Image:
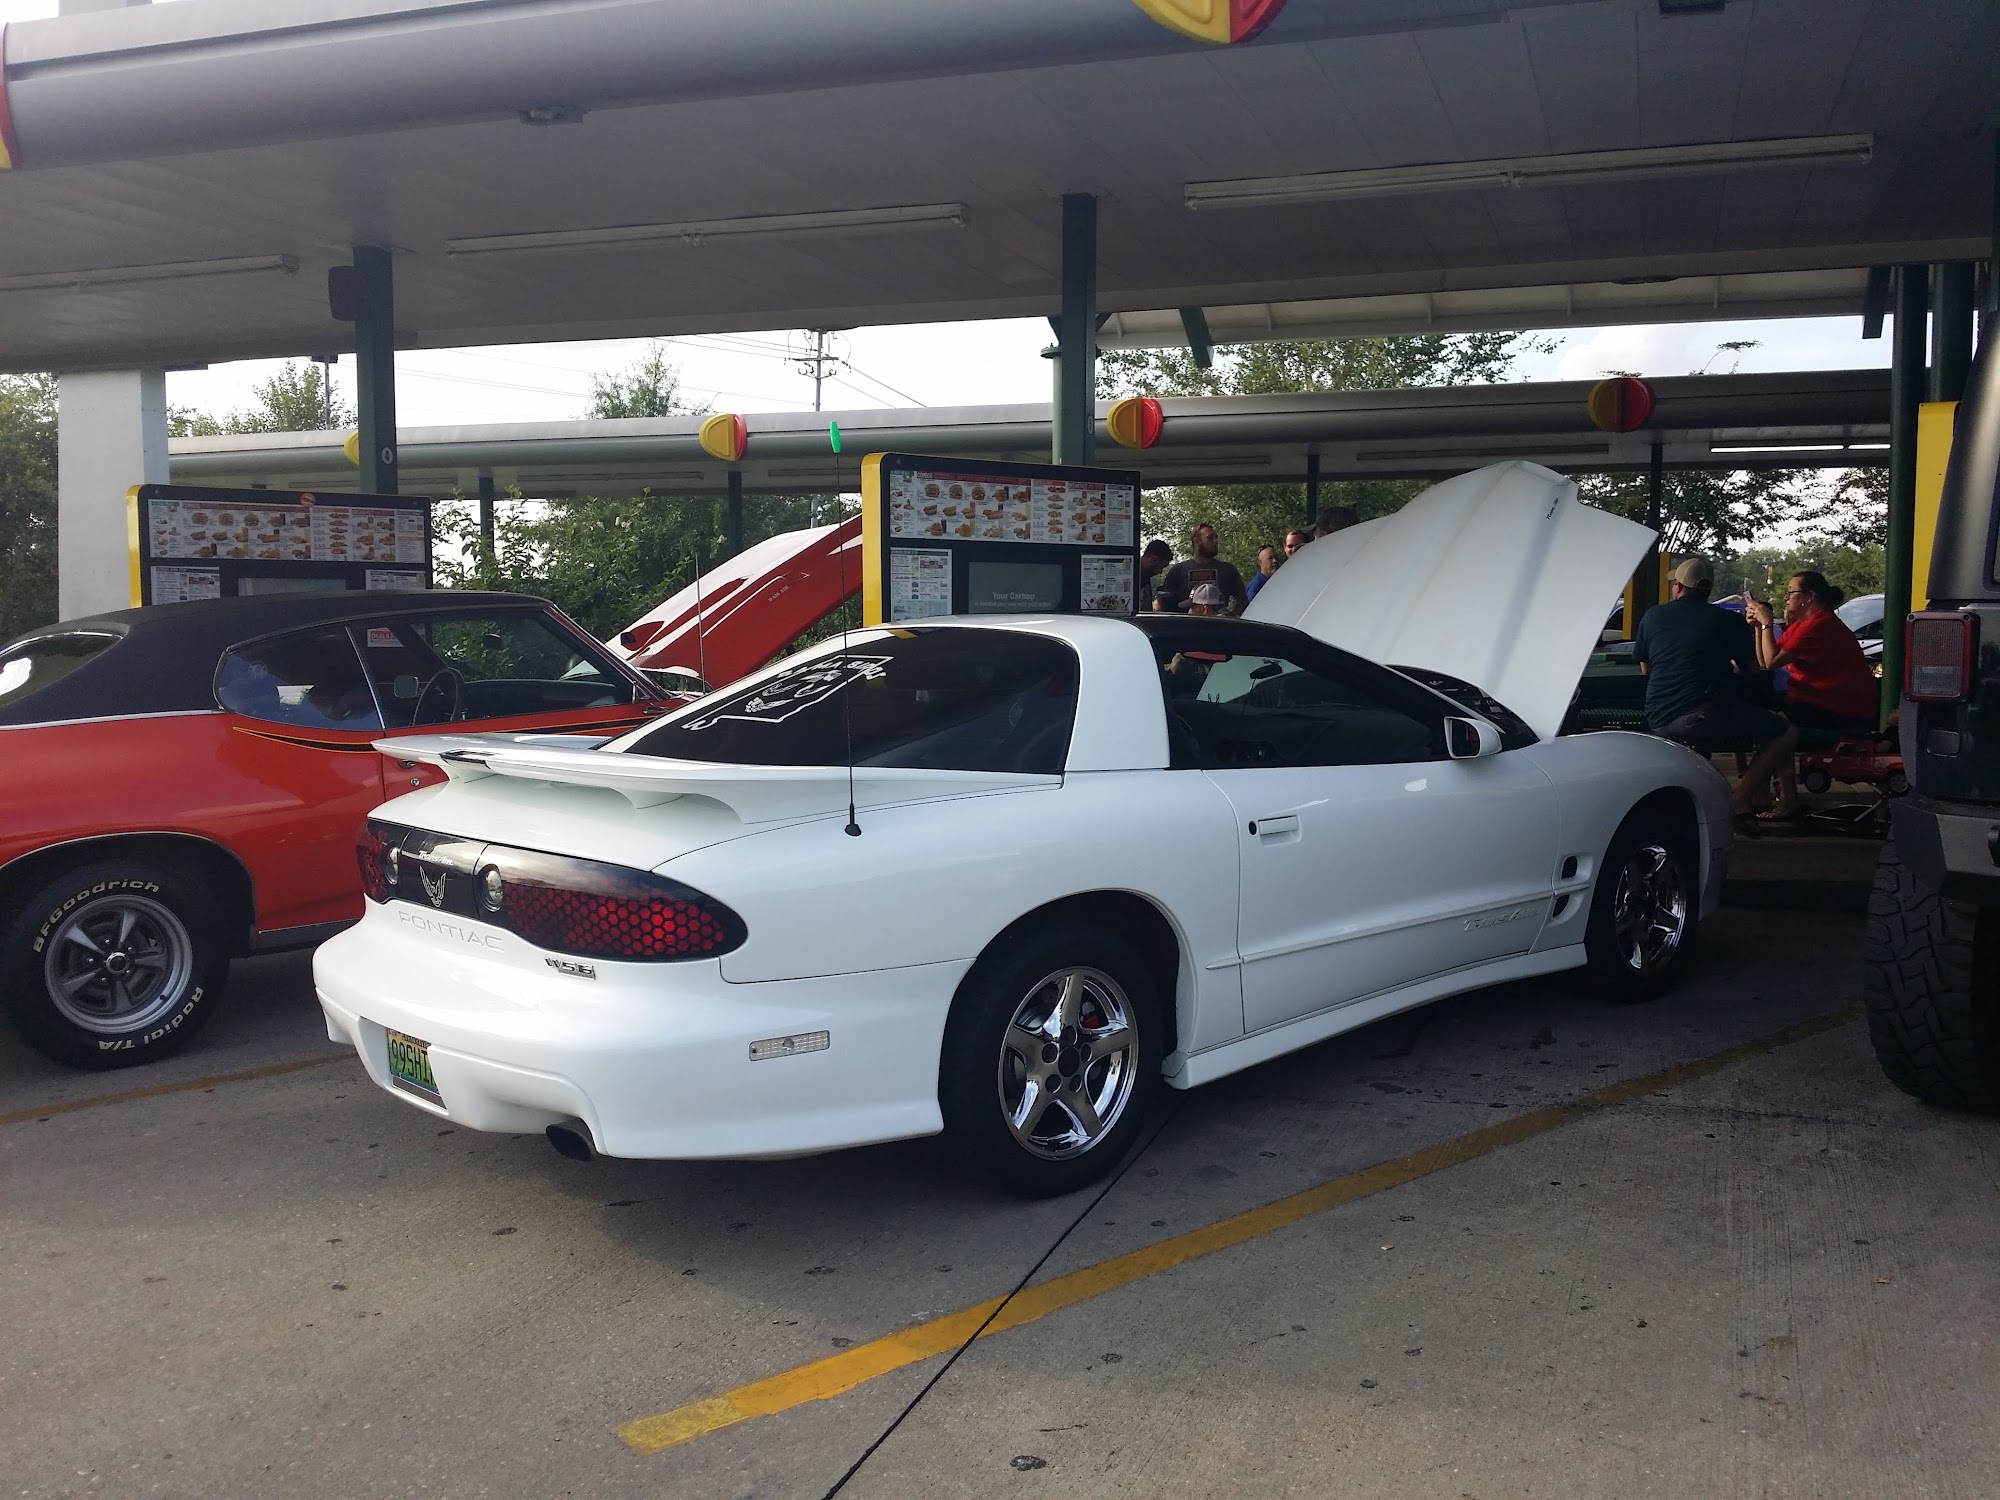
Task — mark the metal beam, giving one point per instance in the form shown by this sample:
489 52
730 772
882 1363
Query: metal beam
1906 394
1194 321
1875 301
1075 427
374 308
1951 329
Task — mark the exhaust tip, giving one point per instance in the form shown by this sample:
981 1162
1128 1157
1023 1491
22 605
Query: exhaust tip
572 1140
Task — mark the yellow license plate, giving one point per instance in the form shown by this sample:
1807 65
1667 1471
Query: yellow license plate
410 1066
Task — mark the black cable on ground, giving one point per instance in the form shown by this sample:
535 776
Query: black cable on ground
1167 1118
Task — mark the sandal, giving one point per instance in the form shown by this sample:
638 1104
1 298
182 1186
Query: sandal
1791 814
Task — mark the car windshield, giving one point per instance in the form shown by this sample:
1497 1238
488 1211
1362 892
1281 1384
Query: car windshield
32 665
1867 610
958 700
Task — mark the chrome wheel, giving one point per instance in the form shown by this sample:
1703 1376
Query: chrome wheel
118 963
1067 1062
1649 912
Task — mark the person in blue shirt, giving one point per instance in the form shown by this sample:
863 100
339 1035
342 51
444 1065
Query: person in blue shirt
1691 652
1267 564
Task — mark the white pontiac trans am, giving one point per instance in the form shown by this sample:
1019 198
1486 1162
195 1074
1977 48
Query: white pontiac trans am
1086 857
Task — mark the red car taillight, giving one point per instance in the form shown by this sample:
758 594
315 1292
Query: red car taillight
1938 658
371 847
602 911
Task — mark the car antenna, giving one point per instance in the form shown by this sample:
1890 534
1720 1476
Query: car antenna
853 829
700 637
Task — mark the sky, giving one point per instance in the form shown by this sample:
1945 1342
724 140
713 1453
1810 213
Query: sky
943 364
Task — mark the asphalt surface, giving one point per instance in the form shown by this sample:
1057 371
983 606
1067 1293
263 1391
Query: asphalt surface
1546 1247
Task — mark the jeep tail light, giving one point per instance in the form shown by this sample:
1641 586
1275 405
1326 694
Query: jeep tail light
1937 658
376 849
591 910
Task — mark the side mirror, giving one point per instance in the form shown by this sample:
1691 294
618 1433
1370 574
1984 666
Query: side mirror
405 686
1470 739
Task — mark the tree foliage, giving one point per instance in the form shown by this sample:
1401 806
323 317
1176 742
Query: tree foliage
299 398
27 502
1248 516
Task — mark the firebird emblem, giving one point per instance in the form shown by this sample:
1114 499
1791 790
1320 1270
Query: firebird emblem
434 891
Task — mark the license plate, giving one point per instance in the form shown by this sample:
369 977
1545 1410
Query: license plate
410 1066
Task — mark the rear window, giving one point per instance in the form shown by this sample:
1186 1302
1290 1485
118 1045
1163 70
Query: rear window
947 700
33 665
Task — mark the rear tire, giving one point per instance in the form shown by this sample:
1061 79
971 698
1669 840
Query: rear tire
1051 1061
1929 983
1815 780
1645 909
112 964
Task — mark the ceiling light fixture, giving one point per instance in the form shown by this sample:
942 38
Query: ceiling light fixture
175 270
695 231
1560 170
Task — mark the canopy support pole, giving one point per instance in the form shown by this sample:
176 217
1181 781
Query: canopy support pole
374 309
1075 427
732 518
1906 394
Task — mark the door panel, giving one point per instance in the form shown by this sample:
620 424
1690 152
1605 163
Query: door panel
1360 878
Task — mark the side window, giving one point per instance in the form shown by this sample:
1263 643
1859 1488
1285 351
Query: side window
443 669
312 680
1229 710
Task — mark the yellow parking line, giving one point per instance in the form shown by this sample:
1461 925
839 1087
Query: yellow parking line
271 1070
842 1372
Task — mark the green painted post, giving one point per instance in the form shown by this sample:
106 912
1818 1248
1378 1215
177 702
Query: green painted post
1075 416
1312 490
1646 582
1951 329
375 367
732 520
1906 394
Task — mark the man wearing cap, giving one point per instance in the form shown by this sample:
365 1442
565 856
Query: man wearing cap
1691 651
1205 599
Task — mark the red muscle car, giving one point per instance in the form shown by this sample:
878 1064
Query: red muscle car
181 785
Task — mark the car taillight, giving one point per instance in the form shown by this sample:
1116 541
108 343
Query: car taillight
375 847
1938 658
591 910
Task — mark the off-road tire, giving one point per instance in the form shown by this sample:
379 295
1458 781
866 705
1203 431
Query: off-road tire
1608 972
173 972
1930 980
977 1135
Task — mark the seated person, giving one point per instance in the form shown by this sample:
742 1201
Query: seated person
1691 651
1832 693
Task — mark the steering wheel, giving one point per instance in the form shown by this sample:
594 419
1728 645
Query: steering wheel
444 680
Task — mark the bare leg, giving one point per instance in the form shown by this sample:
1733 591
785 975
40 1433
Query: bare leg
1763 766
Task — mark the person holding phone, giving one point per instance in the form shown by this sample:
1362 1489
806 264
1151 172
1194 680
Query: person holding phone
1832 693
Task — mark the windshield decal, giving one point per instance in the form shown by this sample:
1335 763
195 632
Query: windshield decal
787 693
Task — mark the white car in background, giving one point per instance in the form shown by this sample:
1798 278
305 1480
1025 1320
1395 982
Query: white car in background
1005 877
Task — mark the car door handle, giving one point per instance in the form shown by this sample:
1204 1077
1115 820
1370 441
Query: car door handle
1275 827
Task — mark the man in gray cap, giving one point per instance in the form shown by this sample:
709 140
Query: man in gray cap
1691 652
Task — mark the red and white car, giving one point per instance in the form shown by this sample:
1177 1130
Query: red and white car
184 783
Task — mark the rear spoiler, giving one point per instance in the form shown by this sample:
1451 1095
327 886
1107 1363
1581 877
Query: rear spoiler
755 794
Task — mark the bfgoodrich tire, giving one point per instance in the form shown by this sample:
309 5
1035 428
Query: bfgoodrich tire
1051 1061
112 963
1644 910
1931 983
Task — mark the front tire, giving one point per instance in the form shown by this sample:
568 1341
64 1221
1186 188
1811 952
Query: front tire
1644 911
1929 982
112 964
1051 1061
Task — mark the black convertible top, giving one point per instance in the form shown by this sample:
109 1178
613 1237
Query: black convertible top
166 659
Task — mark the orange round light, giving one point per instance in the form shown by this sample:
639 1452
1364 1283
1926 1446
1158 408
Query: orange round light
1135 422
1621 404
724 436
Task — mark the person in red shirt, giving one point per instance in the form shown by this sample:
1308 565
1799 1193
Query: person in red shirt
1832 693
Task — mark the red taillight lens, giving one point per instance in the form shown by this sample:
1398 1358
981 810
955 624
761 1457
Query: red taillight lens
369 845
1938 657
592 910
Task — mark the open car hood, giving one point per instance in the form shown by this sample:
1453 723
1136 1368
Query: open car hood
1500 577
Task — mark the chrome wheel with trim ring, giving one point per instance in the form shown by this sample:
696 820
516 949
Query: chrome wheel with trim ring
1067 1062
1650 907
118 963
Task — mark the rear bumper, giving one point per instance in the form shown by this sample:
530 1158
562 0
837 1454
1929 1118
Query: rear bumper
1950 847
653 1058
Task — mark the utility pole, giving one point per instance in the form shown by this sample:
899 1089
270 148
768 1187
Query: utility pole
816 364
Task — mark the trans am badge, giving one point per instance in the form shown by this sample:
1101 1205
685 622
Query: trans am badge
778 698
434 890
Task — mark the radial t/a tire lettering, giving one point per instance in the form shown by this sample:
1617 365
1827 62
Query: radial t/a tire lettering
112 963
1930 980
1645 909
1051 1060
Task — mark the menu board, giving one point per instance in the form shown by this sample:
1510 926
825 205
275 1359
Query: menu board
972 506
919 583
315 532
1107 584
196 543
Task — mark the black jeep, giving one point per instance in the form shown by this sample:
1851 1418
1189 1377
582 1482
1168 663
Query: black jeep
1932 981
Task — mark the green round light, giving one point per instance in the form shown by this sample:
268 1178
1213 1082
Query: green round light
833 435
